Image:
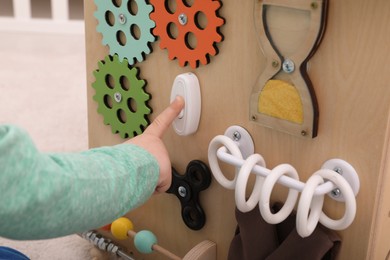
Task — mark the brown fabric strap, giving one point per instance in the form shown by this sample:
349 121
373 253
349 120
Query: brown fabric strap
255 239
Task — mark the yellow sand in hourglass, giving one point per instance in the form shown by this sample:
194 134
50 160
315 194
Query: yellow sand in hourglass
281 100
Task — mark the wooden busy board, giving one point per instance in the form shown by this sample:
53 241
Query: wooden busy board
350 75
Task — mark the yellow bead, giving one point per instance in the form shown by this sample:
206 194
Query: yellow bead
120 227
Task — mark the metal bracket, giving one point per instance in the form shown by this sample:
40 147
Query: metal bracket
349 174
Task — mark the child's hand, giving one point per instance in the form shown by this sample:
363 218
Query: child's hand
151 141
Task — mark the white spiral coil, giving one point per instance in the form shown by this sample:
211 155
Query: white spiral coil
310 204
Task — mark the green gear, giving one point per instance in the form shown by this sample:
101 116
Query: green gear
120 26
121 97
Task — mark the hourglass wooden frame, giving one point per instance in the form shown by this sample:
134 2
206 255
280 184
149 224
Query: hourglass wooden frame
291 69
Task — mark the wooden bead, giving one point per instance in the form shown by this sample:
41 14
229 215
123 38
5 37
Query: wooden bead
144 241
120 227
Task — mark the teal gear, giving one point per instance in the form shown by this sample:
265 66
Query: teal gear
121 97
127 32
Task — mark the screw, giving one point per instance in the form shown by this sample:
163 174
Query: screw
336 193
254 117
182 191
288 66
118 97
303 133
122 18
236 136
183 19
275 64
314 5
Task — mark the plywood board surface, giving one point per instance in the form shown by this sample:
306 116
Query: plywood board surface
350 75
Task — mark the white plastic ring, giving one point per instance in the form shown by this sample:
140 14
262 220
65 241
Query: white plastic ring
308 202
242 180
268 185
231 146
350 201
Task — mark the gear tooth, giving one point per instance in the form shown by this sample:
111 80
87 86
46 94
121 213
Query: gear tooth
218 38
221 21
212 52
150 23
125 62
183 61
163 45
204 60
155 30
134 71
148 8
215 5
146 111
121 58
104 62
139 130
143 84
131 61
152 39
144 122
171 56
147 51
100 65
104 41
193 64
115 58
140 58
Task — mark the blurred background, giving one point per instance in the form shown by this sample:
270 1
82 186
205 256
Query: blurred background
42 8
43 90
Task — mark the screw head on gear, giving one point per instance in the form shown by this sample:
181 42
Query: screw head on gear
183 19
122 18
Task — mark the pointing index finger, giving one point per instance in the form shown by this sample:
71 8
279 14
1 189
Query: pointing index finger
165 119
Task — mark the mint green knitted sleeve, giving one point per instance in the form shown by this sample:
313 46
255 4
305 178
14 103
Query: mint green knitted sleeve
51 195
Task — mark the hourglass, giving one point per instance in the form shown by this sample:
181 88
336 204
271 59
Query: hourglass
289 33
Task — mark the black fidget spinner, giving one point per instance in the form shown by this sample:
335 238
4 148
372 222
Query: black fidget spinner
187 188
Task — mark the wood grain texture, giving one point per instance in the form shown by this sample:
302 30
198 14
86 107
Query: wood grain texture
350 76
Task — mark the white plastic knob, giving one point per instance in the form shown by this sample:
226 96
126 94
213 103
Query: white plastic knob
187 86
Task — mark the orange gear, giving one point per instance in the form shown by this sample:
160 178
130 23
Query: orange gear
186 19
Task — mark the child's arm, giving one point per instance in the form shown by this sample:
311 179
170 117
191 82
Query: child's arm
51 195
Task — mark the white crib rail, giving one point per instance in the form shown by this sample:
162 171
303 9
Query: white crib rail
22 9
60 10
22 20
336 178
